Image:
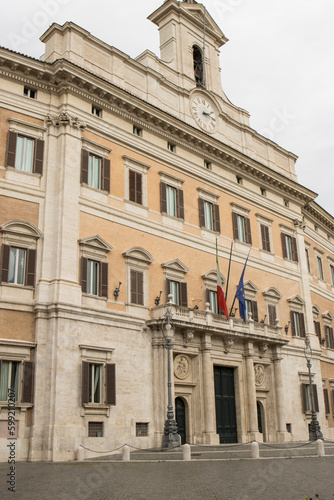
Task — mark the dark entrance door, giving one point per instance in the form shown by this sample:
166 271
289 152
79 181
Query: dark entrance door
259 416
225 404
180 417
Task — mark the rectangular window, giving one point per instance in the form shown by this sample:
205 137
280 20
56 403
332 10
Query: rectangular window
141 429
241 228
307 253
289 247
306 397
171 147
92 277
207 165
326 399
17 261
178 291
24 159
94 383
329 337
239 180
251 307
95 429
272 314
30 92
96 111
137 287
137 131
208 215
297 324
171 200
213 302
94 172
9 379
317 329
320 268
135 186
265 238
263 192
332 273
286 203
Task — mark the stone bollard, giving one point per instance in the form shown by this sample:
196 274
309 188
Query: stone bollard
80 454
186 452
126 454
255 451
320 447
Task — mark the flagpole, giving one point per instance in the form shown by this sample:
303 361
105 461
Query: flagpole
228 274
235 296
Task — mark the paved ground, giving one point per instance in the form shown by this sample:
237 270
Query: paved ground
222 479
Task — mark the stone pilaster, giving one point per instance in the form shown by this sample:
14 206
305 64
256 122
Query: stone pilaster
253 428
282 434
210 434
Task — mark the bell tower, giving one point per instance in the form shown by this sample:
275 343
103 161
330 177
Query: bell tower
189 42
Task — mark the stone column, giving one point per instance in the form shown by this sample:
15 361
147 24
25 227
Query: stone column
159 388
282 434
210 433
253 428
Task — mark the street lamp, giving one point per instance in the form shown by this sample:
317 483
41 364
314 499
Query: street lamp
314 427
170 439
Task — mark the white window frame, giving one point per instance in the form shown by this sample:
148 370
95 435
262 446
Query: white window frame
171 201
17 265
92 368
94 171
24 158
320 268
17 383
137 259
93 271
141 168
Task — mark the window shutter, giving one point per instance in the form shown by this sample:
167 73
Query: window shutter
265 238
235 226
28 382
167 289
84 166
105 175
139 188
207 295
285 254
303 394
103 281
302 324
111 384
272 314
38 156
140 288
5 263
326 398
179 204
183 295
216 217
315 396
255 314
132 186
248 234
294 249
133 287
137 290
85 383
163 197
332 393
317 329
331 338
30 267
292 323
201 212
11 149
84 274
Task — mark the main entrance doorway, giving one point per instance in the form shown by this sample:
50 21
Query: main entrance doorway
180 417
225 404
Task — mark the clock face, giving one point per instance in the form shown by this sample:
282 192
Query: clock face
204 113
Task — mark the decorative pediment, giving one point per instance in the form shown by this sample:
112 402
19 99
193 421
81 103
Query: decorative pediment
272 293
327 315
249 286
315 310
295 300
210 277
95 243
175 265
138 253
21 227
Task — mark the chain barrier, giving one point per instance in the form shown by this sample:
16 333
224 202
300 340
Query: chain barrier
110 451
287 447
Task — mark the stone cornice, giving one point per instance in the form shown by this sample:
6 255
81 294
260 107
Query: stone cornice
318 214
64 76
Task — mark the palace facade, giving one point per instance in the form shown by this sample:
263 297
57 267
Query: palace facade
117 175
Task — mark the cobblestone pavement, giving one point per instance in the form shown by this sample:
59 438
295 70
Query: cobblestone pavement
264 479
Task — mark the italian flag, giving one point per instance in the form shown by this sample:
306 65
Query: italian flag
221 302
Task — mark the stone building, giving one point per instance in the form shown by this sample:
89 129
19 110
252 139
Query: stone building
116 177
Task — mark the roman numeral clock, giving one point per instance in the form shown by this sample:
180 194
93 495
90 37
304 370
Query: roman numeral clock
204 113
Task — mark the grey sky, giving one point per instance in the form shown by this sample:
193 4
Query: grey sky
278 63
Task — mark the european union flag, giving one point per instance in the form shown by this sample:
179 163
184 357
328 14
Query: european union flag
240 294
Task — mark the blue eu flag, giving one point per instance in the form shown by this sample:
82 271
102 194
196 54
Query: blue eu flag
240 294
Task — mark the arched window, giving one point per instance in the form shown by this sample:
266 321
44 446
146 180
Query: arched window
198 66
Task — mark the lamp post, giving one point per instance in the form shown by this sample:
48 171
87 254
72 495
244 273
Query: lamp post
170 439
314 427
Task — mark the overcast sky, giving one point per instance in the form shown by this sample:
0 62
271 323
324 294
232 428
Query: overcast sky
278 63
